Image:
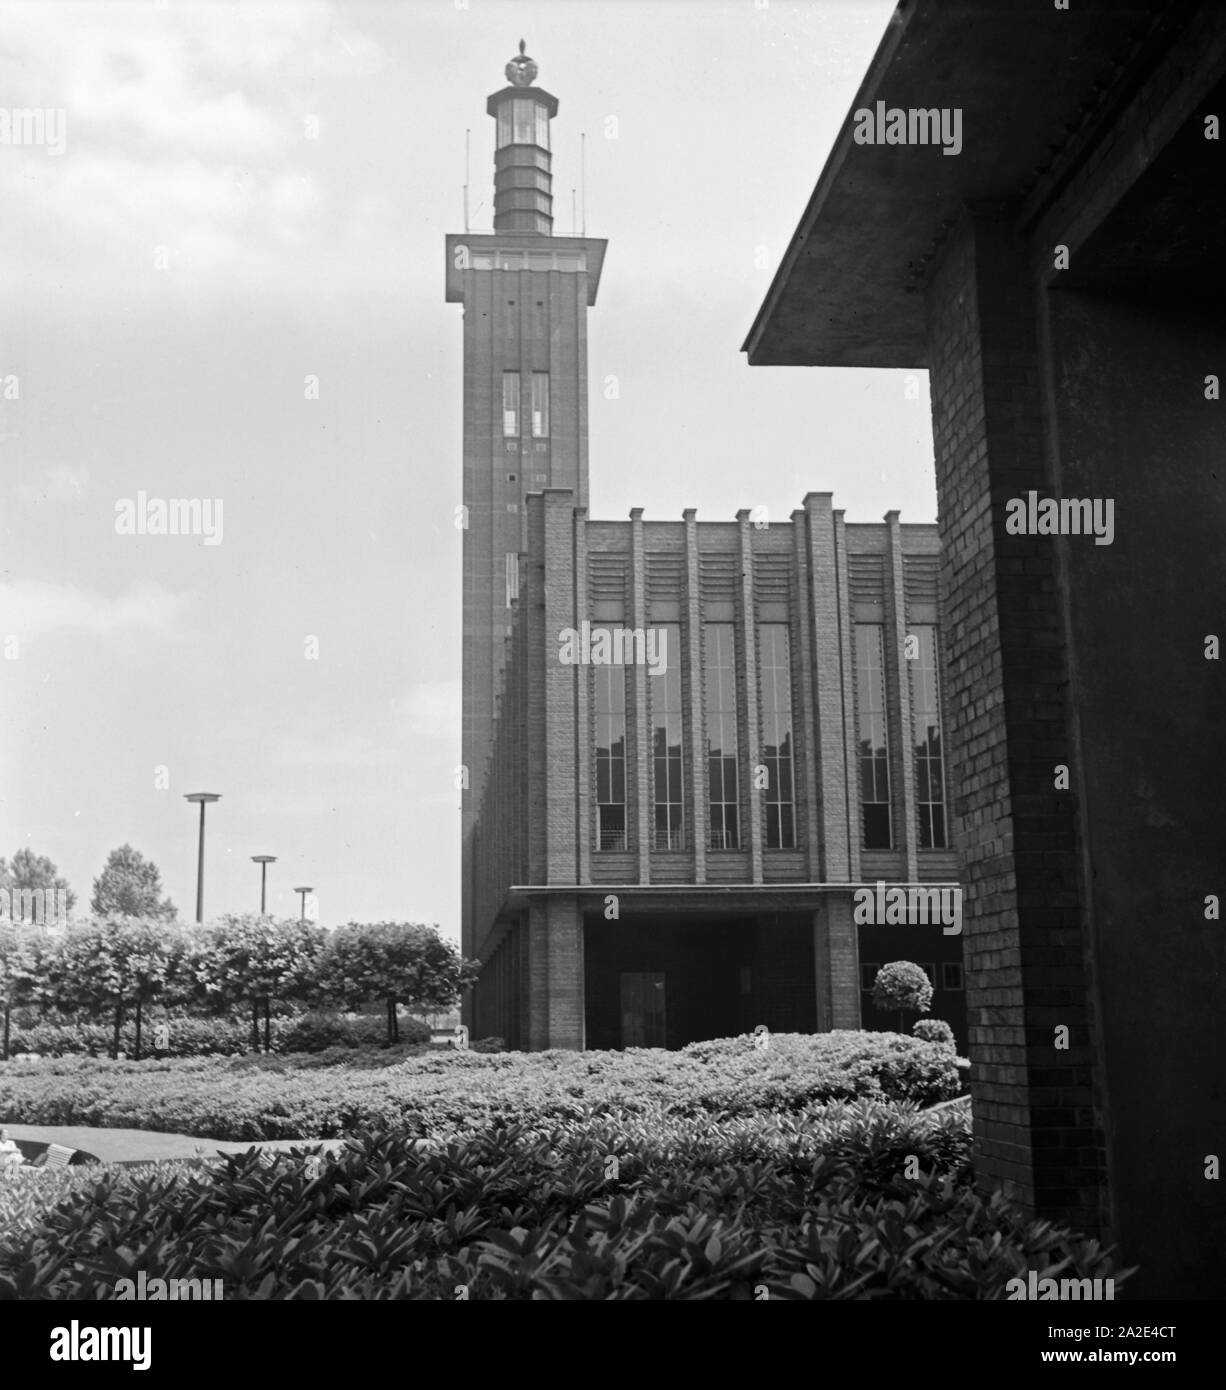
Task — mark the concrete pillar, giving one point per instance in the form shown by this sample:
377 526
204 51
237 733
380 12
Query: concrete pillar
555 973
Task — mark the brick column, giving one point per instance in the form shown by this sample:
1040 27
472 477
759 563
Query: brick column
753 736
898 699
806 724
561 860
836 960
696 790
832 765
639 792
585 828
1038 1131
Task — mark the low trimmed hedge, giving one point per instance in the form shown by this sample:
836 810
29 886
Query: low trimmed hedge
338 1093
807 1206
191 1036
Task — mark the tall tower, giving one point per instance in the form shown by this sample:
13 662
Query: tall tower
525 294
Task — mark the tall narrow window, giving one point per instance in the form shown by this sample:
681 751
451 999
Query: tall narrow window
926 738
540 405
512 577
510 404
775 665
719 689
523 118
610 757
873 739
666 705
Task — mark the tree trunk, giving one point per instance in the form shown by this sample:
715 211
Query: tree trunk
267 1026
136 1054
255 1025
118 1025
393 1021
8 1008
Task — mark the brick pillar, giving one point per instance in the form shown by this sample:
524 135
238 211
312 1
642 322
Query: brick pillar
585 828
847 686
555 974
898 700
566 1002
753 740
806 723
561 832
696 790
639 790
827 635
1038 1132
836 962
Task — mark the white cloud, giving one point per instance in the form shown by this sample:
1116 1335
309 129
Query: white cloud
31 607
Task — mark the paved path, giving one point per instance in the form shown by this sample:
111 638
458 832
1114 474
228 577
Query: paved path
146 1146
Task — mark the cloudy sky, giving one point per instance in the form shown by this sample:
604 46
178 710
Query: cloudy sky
250 196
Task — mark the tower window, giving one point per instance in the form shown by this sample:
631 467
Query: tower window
666 705
719 688
775 665
540 405
926 740
873 742
610 757
510 403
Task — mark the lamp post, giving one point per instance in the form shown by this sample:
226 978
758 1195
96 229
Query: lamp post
263 860
304 892
203 798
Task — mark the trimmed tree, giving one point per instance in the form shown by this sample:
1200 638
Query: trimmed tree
252 960
902 987
396 962
114 965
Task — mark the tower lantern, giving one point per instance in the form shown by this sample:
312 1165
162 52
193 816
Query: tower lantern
523 178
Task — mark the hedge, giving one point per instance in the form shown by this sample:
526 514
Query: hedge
799 1207
337 1093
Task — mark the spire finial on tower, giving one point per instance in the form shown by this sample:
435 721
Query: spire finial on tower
521 70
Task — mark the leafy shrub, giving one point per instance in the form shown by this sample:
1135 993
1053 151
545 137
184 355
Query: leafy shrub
808 1206
208 1037
933 1030
489 1045
902 986
443 1092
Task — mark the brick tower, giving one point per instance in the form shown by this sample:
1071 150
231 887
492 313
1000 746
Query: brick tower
525 294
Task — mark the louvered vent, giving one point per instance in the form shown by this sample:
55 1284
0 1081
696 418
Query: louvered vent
866 578
719 575
665 578
606 578
919 577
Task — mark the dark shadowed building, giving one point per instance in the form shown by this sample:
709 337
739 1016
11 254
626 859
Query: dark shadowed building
1061 278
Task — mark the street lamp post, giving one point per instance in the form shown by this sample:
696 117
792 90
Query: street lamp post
263 860
203 798
304 892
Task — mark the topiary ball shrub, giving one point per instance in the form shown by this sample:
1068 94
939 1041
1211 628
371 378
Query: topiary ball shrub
934 1030
902 986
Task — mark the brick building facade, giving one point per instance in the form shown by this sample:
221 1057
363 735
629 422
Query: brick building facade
1060 280
657 856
